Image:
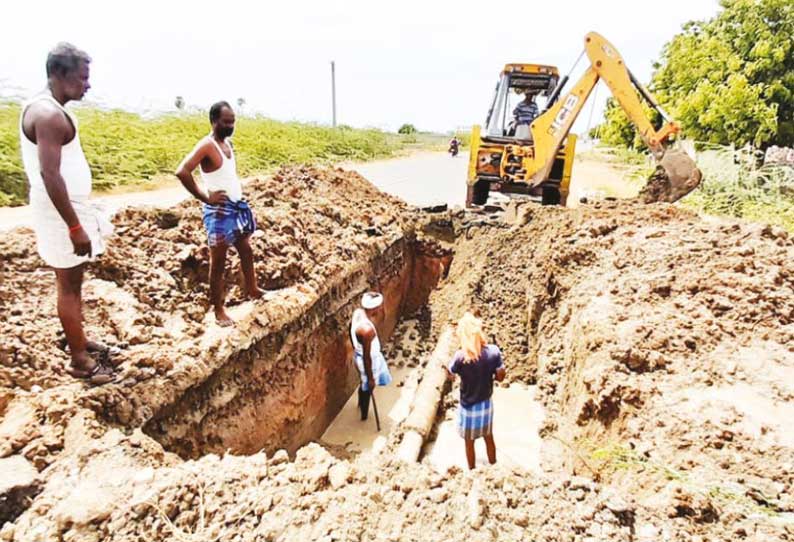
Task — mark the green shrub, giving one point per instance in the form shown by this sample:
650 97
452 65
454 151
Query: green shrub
124 148
764 194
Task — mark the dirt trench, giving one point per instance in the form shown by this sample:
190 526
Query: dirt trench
659 346
282 390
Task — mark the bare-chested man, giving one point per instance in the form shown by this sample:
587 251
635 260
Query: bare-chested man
227 217
69 229
367 356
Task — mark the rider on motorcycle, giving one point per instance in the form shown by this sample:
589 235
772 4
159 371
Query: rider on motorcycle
454 144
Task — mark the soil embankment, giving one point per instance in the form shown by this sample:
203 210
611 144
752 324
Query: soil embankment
660 347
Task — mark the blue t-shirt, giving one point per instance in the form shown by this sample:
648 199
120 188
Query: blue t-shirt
476 377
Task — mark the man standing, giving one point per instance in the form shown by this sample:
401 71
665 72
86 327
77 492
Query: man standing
227 217
69 230
369 359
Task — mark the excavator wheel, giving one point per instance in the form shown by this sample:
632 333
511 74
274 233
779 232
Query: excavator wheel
675 177
550 196
477 194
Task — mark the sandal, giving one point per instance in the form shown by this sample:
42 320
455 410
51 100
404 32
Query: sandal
98 375
107 355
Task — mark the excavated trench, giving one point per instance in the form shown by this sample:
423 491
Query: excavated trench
284 389
657 344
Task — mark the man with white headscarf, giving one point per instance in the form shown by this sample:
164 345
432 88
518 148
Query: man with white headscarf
368 357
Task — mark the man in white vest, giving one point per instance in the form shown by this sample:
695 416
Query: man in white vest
69 230
367 355
227 216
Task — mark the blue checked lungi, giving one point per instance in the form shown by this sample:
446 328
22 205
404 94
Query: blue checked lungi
228 222
475 421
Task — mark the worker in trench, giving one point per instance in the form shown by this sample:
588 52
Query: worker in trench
227 216
369 359
477 364
70 230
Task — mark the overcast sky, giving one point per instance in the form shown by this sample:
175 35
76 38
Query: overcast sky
430 63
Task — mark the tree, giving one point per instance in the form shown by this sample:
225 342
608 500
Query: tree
240 102
407 129
729 80
179 102
617 129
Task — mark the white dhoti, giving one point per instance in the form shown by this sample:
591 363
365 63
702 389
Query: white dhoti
52 234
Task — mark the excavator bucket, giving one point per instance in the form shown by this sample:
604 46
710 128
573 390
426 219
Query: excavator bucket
676 176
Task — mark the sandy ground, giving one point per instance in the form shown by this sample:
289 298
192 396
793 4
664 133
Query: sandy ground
518 418
394 403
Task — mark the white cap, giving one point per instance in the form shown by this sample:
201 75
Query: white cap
371 300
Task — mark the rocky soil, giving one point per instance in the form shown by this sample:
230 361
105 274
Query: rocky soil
662 346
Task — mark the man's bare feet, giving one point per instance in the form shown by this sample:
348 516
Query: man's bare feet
223 319
255 293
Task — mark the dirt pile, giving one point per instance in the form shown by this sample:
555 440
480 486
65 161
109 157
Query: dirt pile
148 295
662 347
152 281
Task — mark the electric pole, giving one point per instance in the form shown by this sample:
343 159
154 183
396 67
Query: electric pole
333 92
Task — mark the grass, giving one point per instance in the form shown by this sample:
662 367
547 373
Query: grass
741 190
125 149
731 187
619 457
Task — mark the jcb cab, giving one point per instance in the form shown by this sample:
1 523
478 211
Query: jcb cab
503 132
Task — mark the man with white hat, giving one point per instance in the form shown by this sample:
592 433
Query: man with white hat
367 354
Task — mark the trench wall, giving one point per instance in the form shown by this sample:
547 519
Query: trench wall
284 389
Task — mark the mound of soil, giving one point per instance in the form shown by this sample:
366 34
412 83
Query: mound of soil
663 349
149 290
662 346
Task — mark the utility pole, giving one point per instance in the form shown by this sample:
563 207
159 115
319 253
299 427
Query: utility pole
333 92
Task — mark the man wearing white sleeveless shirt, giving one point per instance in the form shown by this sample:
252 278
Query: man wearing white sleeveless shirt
69 230
227 217
367 355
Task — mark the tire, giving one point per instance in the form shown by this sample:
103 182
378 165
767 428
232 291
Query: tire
479 193
551 196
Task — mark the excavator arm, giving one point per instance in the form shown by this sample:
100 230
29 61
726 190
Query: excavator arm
677 174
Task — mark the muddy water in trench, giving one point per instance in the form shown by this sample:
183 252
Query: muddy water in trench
517 420
518 417
394 403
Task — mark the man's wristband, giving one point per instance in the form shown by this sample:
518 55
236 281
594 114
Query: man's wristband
75 228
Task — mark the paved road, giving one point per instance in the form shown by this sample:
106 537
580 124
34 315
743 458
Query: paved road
424 178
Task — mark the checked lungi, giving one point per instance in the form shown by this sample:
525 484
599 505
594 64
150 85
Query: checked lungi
475 421
228 222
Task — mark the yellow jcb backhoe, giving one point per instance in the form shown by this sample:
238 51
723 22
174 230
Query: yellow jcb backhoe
536 157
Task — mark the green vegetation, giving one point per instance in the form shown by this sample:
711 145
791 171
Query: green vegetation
407 129
728 80
124 148
612 457
733 186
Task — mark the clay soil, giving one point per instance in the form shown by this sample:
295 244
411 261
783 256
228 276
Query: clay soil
662 346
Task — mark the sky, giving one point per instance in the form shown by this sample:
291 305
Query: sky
433 64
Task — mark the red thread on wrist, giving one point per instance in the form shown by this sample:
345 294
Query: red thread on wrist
75 228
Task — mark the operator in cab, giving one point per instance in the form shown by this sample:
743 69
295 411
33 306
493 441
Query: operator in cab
525 112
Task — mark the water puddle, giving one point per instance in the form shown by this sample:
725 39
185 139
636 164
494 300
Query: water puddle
518 417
